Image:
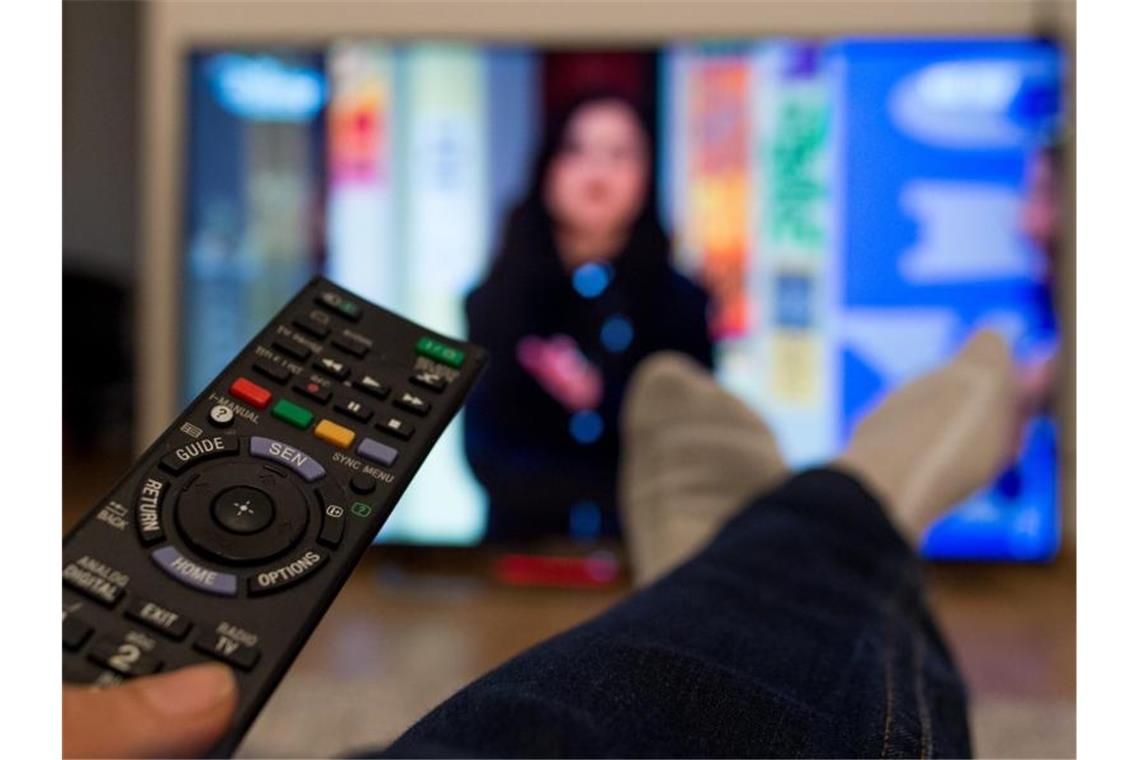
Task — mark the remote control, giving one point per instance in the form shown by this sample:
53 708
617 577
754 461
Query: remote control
232 534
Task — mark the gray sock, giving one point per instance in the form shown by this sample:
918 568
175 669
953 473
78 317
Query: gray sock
692 453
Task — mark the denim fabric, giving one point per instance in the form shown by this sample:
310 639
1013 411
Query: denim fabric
800 631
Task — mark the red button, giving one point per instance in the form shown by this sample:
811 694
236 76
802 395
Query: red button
251 393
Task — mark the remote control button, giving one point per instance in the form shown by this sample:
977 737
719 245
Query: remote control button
317 329
123 657
194 575
331 367
372 387
221 416
354 409
293 349
413 403
440 352
159 618
209 512
250 392
287 573
363 484
296 460
187 455
148 510
274 372
243 510
332 523
230 645
75 632
429 380
314 391
330 432
338 304
95 580
396 427
377 452
297 416
350 345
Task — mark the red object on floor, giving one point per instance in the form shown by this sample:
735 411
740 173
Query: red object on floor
595 571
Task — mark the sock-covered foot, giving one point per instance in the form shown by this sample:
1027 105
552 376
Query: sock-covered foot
940 437
691 455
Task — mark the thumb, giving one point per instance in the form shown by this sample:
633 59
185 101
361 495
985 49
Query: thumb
176 714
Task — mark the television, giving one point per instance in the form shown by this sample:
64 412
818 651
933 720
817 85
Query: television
854 208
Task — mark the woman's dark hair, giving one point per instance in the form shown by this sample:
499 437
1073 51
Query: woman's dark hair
529 229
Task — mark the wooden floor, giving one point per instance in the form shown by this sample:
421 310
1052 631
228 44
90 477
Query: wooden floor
400 639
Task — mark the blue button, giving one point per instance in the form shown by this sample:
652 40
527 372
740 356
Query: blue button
192 574
377 452
298 461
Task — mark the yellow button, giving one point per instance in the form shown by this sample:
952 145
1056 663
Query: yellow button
330 432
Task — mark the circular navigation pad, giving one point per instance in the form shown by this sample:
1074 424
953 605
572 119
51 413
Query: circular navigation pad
241 512
243 509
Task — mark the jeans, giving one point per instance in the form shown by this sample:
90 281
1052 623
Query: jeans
799 631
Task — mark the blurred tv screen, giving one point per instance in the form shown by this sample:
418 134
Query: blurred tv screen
854 208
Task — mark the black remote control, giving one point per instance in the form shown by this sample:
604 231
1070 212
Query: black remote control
230 537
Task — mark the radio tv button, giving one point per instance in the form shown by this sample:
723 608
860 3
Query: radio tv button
230 644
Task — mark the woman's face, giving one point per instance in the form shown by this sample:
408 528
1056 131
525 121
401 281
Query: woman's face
597 181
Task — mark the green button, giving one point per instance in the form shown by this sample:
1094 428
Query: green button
433 349
297 416
360 509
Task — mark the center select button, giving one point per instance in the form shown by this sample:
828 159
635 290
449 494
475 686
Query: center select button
192 574
298 461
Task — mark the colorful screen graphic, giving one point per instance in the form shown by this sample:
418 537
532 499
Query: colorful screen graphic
853 208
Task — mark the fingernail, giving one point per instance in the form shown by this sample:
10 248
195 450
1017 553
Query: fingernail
191 690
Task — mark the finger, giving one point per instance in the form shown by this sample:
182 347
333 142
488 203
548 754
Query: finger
176 714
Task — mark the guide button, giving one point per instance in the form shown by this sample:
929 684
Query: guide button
224 444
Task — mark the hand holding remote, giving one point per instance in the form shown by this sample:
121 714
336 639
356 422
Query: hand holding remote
177 714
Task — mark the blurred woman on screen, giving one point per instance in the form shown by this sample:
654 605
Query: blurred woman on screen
581 291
